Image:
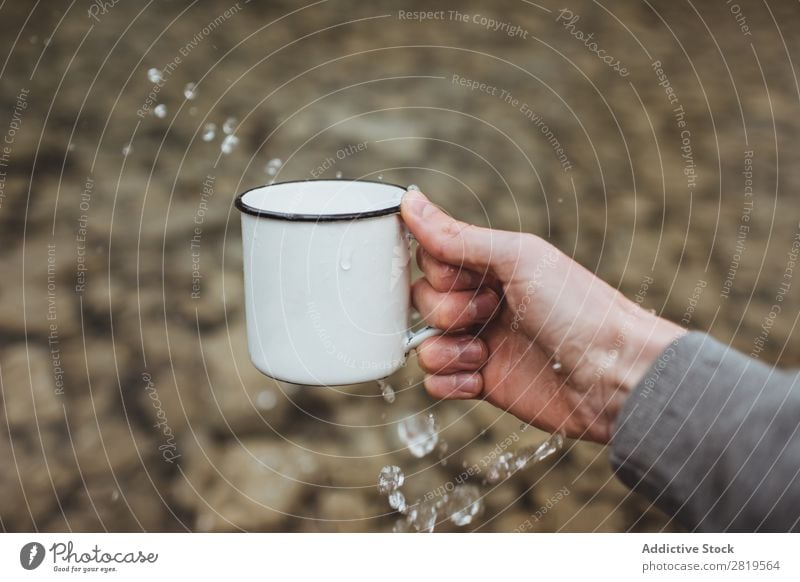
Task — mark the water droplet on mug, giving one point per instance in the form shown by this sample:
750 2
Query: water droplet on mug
154 75
273 166
190 91
209 131
229 126
346 262
160 111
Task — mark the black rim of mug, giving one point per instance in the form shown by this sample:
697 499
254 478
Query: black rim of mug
300 217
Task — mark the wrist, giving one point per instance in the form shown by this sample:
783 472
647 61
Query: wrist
641 339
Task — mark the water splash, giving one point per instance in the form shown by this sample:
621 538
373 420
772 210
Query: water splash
273 166
209 131
229 126
548 448
419 433
422 516
229 144
390 479
190 91
501 469
509 463
154 75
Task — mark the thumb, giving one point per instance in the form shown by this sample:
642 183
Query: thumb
455 242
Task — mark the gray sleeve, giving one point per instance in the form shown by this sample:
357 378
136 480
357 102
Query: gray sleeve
711 437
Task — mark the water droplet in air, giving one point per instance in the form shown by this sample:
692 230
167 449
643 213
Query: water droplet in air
229 126
556 365
338 175
560 200
412 188
387 391
391 478
115 495
229 144
273 166
380 176
209 131
266 400
127 149
71 147
154 75
419 434
464 504
190 91
160 111
397 501
402 525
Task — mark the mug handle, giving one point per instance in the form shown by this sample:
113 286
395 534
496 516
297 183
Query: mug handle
415 338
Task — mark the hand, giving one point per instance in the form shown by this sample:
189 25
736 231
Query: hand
529 329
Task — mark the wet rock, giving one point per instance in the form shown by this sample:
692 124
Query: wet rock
240 399
252 485
32 386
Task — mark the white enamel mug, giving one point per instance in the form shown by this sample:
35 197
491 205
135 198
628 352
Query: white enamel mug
327 281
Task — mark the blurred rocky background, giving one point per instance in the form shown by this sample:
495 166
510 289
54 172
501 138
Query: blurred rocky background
128 401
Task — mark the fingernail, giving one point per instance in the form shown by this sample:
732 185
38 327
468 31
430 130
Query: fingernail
483 305
420 205
465 384
471 353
